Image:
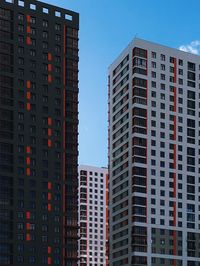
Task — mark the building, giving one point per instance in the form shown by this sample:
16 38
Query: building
38 134
154 155
93 216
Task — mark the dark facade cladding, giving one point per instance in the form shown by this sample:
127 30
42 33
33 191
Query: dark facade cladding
38 134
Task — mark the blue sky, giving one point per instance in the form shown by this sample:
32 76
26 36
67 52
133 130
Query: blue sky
106 28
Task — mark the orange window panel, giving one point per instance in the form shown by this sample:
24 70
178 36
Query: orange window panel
49 67
49 132
28 160
28 41
49 250
28 18
28 237
28 84
49 78
28 149
49 207
28 215
49 121
28 106
28 226
28 171
49 185
28 29
49 196
49 56
28 95
49 143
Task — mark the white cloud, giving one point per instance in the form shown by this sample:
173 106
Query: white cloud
193 47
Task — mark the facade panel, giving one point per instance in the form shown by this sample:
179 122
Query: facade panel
93 216
154 156
38 134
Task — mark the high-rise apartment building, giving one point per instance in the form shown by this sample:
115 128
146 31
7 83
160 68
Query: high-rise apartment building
38 134
93 216
154 156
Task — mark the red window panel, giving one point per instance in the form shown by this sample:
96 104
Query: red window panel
28 237
28 18
28 95
49 132
49 78
28 106
28 215
49 260
49 67
28 29
28 41
28 171
28 84
49 143
28 149
49 207
28 160
49 196
49 250
49 185
49 121
49 56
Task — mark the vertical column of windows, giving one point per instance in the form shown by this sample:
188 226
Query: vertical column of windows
174 164
83 217
6 136
139 152
119 125
71 135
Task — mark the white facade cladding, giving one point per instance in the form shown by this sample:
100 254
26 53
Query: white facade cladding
93 215
154 155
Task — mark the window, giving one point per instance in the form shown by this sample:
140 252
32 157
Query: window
45 34
45 23
162 67
68 17
162 57
21 17
32 52
57 27
57 14
33 20
32 6
45 45
171 60
21 50
20 28
153 54
21 3
162 76
153 64
45 10
180 62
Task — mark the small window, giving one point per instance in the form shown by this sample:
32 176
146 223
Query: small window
57 27
33 20
9 1
33 6
21 3
45 23
57 14
21 17
68 17
45 10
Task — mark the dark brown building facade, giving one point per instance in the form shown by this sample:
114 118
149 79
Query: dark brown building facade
38 134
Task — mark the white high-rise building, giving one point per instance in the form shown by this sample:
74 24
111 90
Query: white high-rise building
154 156
93 216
